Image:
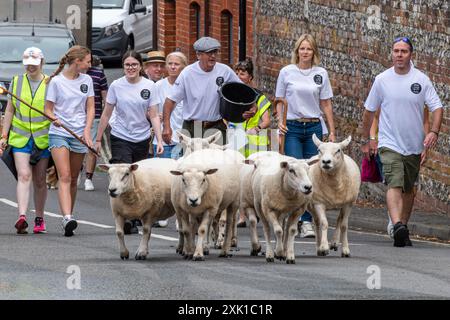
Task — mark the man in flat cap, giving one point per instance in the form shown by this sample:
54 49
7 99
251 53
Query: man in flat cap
155 65
197 86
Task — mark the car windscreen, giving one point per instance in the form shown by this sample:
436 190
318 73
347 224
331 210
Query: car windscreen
12 47
107 4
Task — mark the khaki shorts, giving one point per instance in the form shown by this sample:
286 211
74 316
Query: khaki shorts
399 171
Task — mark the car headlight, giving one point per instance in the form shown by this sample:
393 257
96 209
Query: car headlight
110 30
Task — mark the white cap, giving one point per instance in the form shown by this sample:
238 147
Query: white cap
32 56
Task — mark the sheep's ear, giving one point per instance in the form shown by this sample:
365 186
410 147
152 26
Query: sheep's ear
346 142
316 140
211 171
216 136
104 167
284 165
134 167
312 160
176 173
183 138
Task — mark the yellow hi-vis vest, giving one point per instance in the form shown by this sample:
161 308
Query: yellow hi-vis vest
26 122
256 142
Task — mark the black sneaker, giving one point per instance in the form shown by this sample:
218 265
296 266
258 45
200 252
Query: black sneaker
401 233
408 242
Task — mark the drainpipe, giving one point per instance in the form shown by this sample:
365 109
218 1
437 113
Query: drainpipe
206 18
242 30
155 24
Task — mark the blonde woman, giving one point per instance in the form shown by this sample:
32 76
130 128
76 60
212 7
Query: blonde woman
307 89
70 99
26 131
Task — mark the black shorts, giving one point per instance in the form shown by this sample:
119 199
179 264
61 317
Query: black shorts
124 151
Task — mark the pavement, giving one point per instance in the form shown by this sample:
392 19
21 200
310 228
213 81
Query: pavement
431 226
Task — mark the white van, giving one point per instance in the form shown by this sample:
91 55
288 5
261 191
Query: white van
119 25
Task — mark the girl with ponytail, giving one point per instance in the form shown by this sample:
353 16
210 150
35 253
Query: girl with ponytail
70 100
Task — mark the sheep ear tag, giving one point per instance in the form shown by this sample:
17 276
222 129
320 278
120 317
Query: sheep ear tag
237 138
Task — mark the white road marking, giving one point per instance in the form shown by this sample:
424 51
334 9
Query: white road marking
104 226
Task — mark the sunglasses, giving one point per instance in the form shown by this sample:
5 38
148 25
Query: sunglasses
405 40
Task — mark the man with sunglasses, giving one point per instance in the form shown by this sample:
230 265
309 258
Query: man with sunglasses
401 92
197 86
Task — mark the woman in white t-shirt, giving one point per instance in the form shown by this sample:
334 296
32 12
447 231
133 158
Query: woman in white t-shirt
307 89
129 98
70 99
175 63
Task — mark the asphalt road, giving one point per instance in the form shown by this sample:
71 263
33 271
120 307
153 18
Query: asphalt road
46 266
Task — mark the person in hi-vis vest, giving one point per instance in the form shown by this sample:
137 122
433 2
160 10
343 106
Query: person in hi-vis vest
257 138
26 131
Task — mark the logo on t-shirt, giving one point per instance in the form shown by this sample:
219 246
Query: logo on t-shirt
84 88
219 81
416 88
145 94
318 79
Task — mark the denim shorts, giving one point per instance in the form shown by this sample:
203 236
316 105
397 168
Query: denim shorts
72 144
28 148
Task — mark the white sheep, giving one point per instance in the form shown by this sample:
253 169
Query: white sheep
336 180
281 191
140 191
206 183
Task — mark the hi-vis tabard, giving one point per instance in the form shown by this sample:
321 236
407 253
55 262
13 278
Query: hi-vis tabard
255 142
28 123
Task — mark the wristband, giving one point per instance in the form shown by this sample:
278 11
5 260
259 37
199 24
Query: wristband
98 140
372 138
435 132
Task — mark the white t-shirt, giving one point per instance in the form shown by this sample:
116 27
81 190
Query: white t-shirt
160 93
131 103
402 99
69 98
303 90
199 91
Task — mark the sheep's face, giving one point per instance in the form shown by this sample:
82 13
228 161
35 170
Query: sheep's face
331 155
121 178
195 184
296 176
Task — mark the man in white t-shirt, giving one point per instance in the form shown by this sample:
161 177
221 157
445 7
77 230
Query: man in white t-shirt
402 93
197 86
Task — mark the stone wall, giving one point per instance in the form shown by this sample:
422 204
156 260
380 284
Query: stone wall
355 38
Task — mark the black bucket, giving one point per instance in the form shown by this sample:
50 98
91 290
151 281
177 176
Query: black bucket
235 99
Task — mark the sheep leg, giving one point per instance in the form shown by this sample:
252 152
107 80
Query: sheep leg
324 248
222 226
120 221
186 222
266 228
202 230
181 239
251 216
231 212
290 233
278 230
337 233
142 251
234 220
345 212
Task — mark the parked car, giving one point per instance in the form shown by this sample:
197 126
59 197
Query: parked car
119 25
53 39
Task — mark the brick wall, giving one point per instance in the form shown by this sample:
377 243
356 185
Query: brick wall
178 26
355 38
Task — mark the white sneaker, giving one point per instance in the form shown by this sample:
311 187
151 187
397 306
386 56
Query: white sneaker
88 185
79 179
307 230
69 224
390 229
163 223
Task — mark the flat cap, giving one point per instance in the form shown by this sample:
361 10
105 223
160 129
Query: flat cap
206 44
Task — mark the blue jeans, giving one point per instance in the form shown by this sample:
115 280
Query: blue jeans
173 151
299 144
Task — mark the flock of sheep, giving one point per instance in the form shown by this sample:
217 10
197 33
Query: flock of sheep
209 184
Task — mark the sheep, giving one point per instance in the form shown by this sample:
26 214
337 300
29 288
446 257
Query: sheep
195 144
281 189
206 182
140 191
336 180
